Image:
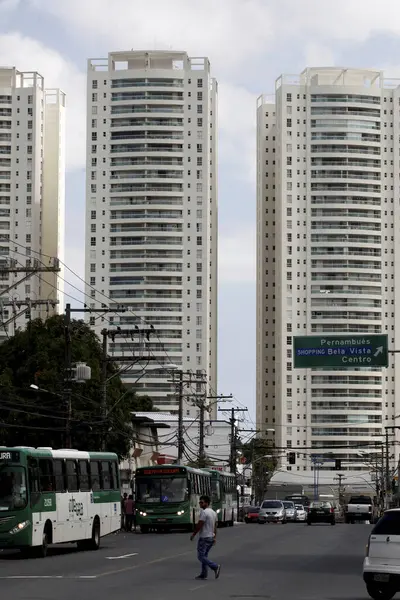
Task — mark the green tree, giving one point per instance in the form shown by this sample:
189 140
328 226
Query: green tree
260 454
37 417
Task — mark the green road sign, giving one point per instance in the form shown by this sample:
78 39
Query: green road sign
344 351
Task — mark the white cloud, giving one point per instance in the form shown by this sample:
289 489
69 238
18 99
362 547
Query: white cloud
318 54
237 257
8 5
27 54
230 32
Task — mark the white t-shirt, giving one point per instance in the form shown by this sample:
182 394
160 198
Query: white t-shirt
209 516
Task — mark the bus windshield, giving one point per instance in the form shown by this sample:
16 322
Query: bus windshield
163 489
215 490
13 493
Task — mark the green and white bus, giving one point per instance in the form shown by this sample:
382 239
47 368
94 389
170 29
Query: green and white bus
56 496
223 496
167 496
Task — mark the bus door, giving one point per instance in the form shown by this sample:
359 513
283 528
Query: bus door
74 510
85 497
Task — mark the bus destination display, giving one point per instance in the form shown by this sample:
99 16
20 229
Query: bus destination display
9 456
161 471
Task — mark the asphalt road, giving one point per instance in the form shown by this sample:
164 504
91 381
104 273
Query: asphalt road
277 562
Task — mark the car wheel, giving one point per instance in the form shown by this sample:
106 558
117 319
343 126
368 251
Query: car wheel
380 592
333 522
308 522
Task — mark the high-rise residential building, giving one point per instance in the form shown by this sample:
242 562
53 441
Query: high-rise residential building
328 236
31 197
151 216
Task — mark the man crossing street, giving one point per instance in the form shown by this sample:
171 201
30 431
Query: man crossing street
207 530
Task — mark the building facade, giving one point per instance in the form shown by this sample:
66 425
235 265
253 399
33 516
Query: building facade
31 197
328 222
151 214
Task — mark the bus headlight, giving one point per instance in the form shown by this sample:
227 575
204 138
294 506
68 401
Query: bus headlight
143 514
218 511
180 512
19 527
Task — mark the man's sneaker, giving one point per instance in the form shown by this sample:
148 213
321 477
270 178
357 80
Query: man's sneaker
217 571
200 577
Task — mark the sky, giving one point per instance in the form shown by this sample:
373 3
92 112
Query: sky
249 44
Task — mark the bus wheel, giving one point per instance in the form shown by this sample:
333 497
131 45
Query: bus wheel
144 529
94 542
41 551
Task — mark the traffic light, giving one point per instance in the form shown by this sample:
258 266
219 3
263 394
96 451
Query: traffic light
292 458
338 464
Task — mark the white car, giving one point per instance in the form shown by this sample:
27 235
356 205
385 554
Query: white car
381 571
301 513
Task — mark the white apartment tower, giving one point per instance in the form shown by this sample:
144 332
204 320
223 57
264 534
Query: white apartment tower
328 237
151 215
31 196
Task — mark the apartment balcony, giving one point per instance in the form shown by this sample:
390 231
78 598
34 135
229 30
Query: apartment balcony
124 109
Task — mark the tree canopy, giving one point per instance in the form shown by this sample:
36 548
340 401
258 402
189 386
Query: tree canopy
260 454
30 417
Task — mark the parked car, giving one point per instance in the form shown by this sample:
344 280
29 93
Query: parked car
301 513
381 571
290 510
272 511
321 512
252 514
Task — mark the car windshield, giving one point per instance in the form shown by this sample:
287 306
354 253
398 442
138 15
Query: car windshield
320 505
13 494
288 505
163 489
271 504
299 507
253 509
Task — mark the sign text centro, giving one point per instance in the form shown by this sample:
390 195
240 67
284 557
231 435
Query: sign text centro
345 351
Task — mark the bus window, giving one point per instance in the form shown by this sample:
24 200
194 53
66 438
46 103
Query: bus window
84 483
95 475
59 475
115 475
105 475
46 474
72 475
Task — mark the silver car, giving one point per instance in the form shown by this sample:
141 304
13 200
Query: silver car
290 510
272 511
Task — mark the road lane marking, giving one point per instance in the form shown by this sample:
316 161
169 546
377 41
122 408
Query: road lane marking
123 556
49 577
196 588
145 564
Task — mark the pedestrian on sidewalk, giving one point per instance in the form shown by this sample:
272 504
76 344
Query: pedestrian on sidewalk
123 513
129 510
207 530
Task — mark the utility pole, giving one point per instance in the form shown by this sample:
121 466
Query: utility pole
180 417
68 361
387 470
104 333
232 458
202 455
67 374
340 477
33 267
